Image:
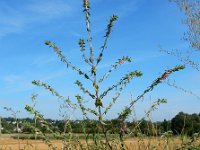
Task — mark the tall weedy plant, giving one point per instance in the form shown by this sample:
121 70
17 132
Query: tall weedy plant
14 115
100 110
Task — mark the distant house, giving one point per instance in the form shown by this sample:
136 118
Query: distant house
14 122
19 129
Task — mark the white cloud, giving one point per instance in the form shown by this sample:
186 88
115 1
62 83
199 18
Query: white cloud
16 83
16 19
148 57
10 20
50 9
10 79
128 8
44 60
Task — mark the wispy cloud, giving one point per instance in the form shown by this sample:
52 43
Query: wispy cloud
127 8
44 61
16 83
10 20
15 19
50 9
148 57
20 83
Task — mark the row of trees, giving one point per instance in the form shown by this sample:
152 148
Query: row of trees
182 123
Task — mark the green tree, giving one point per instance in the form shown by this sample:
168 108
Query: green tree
184 123
166 125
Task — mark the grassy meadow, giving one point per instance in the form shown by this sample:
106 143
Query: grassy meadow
8 142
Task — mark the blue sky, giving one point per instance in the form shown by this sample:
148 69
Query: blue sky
143 27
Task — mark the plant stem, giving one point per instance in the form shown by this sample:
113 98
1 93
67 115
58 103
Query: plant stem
35 121
18 134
